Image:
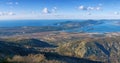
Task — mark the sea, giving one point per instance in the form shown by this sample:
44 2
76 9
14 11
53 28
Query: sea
107 26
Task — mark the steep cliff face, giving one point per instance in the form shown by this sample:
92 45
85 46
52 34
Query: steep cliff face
104 49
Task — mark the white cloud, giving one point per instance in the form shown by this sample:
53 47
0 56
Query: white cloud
116 13
54 9
49 11
98 8
45 11
82 7
12 3
10 13
7 13
89 8
1 13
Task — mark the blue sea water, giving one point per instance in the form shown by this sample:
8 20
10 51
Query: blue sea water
107 26
14 23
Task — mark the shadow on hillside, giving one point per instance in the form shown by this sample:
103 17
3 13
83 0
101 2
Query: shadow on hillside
35 43
18 49
68 59
103 49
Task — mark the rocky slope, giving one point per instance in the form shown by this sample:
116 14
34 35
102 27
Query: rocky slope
104 49
28 51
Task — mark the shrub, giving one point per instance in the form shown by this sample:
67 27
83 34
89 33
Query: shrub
27 59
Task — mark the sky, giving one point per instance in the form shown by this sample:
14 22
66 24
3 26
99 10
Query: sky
59 9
